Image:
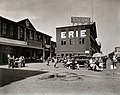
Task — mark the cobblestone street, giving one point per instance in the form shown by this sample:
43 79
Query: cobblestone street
62 81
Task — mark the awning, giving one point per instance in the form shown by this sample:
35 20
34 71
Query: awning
11 42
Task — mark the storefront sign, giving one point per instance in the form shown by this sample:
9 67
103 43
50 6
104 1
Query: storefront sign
72 34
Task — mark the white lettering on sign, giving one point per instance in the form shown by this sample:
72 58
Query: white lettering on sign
63 34
76 33
71 34
83 33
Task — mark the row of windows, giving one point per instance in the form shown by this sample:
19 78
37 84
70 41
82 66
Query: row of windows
13 31
72 41
4 29
21 33
30 35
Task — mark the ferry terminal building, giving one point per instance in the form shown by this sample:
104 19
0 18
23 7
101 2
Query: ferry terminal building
77 40
22 39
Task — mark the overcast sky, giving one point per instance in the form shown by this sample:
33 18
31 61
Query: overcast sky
46 15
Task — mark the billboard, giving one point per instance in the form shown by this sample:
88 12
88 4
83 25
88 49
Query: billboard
82 20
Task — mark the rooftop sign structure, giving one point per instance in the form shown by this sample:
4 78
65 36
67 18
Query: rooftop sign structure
80 20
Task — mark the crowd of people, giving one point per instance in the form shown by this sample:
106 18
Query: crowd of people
15 62
94 63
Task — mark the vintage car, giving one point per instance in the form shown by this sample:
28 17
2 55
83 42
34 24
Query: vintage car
82 60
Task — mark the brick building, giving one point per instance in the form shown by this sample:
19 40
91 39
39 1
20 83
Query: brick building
53 47
79 39
21 38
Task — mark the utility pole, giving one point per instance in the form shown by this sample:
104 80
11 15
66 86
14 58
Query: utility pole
92 9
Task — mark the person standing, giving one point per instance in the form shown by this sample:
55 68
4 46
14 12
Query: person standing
100 64
114 62
10 61
48 61
55 62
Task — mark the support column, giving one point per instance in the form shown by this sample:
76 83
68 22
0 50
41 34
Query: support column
43 54
0 28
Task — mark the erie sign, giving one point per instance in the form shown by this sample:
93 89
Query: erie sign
72 34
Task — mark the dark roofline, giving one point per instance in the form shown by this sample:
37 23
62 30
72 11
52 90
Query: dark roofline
22 20
23 25
7 19
25 20
44 34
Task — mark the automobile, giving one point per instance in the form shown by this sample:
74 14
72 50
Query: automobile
82 60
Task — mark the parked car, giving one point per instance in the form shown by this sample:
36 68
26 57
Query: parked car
82 60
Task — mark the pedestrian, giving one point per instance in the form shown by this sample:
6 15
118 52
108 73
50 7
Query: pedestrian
55 62
65 61
10 61
96 67
91 64
77 64
48 61
114 62
100 63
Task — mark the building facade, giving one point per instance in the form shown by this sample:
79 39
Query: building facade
53 48
22 39
80 40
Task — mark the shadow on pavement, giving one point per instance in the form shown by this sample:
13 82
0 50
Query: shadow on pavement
8 76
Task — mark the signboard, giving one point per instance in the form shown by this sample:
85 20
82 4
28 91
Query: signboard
82 20
73 34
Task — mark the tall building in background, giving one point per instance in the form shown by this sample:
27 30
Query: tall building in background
77 40
22 39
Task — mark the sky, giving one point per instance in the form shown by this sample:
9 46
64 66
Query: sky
46 15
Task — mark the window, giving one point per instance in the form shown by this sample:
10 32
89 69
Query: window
72 41
81 40
20 33
35 36
11 30
4 28
63 42
39 38
31 35
47 41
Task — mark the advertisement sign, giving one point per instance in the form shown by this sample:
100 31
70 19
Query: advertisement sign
82 20
73 34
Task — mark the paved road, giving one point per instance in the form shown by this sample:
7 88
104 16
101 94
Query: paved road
62 81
